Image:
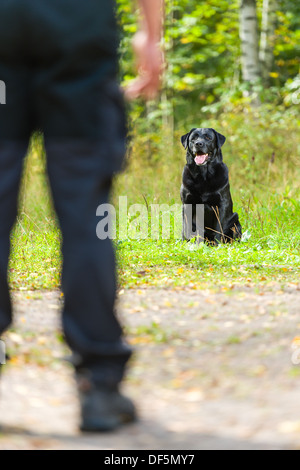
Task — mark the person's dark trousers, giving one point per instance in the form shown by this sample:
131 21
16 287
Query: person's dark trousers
11 159
88 279
58 60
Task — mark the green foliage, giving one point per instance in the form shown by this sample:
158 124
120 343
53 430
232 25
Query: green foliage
202 49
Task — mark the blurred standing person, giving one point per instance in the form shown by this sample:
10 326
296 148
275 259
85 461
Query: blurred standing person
59 63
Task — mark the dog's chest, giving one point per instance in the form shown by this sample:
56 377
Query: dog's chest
205 189
203 192
210 199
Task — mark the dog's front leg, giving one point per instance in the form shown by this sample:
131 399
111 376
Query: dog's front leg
193 222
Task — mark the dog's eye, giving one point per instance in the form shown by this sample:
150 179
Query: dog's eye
207 137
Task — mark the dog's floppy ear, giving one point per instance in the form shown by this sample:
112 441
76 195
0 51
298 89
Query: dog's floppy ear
221 139
185 138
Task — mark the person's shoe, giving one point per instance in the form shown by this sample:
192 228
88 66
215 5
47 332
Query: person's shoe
103 409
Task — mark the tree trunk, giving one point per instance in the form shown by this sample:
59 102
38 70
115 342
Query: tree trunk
249 41
267 38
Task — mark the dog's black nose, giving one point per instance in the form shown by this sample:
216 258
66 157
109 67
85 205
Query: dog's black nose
199 144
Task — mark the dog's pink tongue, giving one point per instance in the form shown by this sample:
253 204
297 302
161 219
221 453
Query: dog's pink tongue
200 159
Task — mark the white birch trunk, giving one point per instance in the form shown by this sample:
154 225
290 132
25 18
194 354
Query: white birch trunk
249 41
267 38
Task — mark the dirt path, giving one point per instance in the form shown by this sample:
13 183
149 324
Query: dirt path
212 370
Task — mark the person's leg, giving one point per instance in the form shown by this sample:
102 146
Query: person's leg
15 128
11 160
80 109
83 118
88 279
79 185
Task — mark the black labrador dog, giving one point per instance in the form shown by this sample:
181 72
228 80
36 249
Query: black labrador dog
205 181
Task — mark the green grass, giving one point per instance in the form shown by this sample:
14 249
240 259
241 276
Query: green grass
35 261
169 264
266 194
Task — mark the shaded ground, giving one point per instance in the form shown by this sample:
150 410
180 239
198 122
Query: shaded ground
212 370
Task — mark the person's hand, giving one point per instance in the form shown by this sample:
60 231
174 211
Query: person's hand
149 63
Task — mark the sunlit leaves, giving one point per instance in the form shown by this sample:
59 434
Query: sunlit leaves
201 42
